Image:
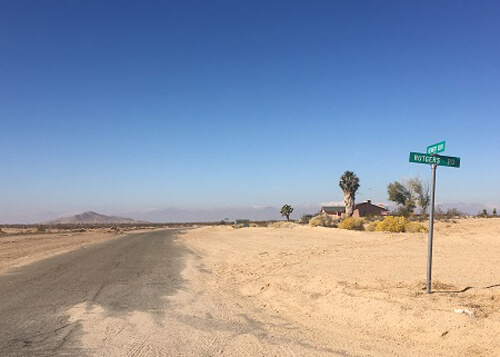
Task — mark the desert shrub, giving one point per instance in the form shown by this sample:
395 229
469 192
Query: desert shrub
399 225
372 226
305 218
449 214
415 227
281 224
351 223
401 211
392 224
323 220
483 214
453 213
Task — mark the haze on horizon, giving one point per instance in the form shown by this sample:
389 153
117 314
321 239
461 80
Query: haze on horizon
195 110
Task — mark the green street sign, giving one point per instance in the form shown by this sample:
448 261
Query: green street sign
436 148
439 160
432 158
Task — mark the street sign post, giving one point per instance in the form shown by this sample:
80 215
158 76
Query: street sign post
431 158
436 148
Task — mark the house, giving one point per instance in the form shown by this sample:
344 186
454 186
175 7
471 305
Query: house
360 210
368 209
333 210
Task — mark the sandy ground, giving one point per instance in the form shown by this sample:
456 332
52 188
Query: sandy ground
361 293
19 250
305 292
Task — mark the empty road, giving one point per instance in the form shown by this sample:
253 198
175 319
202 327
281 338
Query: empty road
125 275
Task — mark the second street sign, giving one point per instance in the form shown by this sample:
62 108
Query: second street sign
436 148
434 160
439 160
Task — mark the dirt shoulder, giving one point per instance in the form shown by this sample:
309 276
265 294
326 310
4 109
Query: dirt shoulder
363 292
18 250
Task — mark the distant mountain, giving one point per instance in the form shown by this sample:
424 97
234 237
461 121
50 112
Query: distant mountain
90 217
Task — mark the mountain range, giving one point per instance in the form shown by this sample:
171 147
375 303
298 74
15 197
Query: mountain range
90 217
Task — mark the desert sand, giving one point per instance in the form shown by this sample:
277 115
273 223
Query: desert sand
302 291
363 293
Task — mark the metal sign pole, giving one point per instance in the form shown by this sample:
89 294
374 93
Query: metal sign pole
431 229
432 158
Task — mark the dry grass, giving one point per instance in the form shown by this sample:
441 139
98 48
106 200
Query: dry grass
323 220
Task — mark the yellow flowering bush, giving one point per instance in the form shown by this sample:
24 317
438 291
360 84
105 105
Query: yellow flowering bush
398 225
352 223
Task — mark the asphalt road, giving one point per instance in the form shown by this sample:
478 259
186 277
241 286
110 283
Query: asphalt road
126 275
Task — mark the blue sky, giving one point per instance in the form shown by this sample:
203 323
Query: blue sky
146 108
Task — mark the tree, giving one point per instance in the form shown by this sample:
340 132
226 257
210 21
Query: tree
494 212
420 193
410 193
483 213
286 211
349 183
400 194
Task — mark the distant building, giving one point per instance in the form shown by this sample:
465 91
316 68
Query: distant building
333 210
242 223
368 209
360 210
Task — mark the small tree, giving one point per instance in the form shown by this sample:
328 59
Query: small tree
420 192
349 183
410 193
401 195
286 211
494 212
483 213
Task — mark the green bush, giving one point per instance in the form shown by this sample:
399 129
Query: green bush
399 225
323 220
351 223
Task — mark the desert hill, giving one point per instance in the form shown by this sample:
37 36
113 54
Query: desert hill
90 217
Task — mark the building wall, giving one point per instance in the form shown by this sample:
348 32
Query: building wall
335 214
368 209
362 210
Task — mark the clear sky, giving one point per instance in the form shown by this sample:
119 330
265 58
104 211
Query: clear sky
146 108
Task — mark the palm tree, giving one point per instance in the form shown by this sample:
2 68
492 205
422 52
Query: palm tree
349 183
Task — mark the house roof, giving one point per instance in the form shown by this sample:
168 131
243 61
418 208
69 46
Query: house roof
371 204
332 209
